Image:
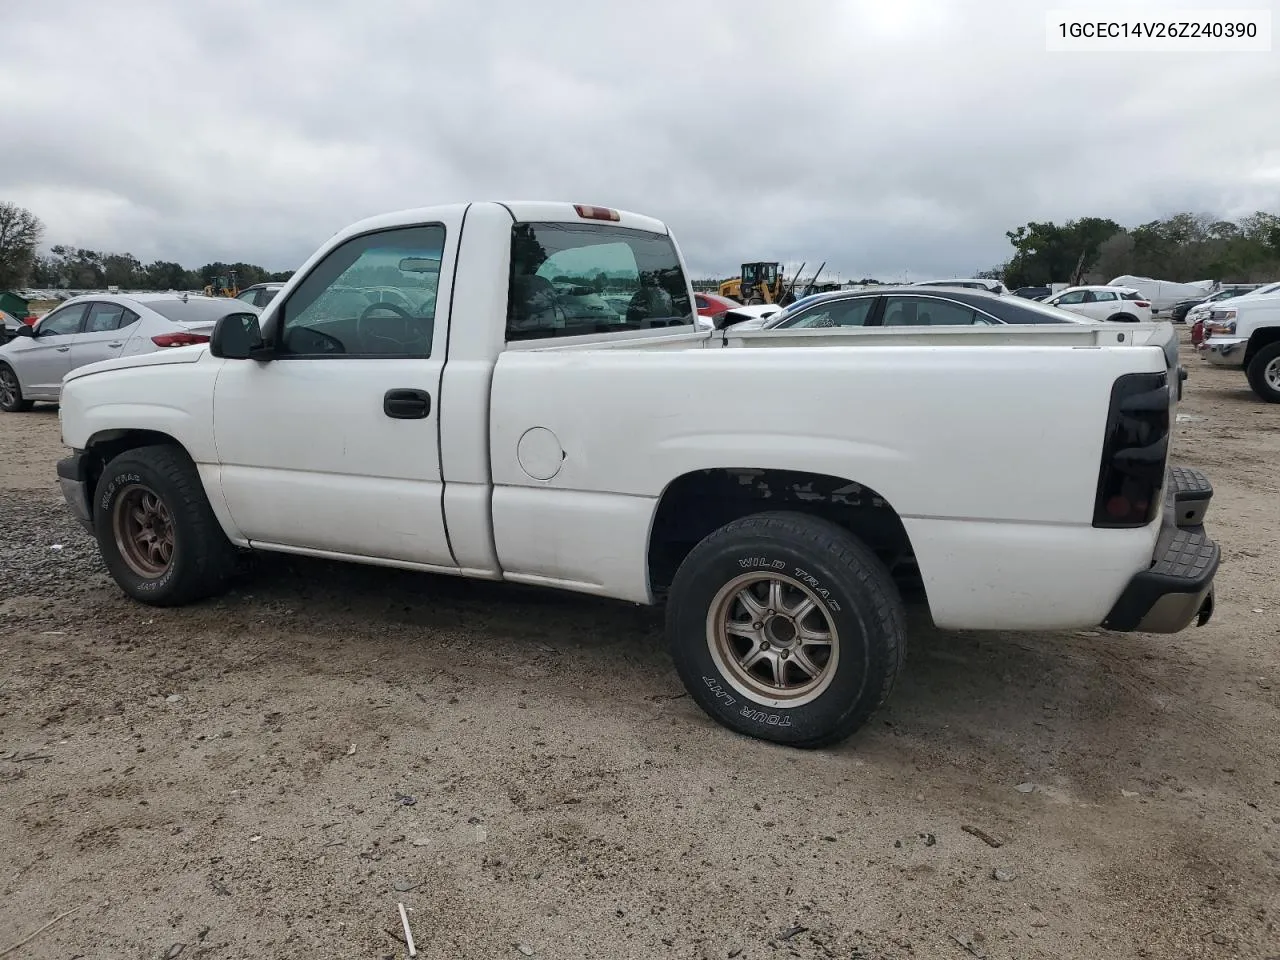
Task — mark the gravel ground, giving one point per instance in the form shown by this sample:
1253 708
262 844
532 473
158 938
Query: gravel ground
268 774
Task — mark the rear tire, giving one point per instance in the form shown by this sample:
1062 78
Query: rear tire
156 531
1264 373
11 400
755 302
747 614
1122 318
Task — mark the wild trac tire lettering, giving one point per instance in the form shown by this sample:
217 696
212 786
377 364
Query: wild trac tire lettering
754 563
812 583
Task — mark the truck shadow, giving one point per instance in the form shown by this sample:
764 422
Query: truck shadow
1039 707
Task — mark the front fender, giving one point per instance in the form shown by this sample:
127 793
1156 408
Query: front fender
175 400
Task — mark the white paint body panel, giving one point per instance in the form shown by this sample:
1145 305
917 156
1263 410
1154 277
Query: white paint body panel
986 441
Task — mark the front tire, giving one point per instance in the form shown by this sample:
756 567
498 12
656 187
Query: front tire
787 628
156 531
1264 373
11 400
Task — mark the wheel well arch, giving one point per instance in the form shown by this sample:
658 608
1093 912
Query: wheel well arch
700 502
1262 337
105 445
1122 317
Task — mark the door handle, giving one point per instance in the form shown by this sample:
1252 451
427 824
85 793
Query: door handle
116 343
406 404
62 349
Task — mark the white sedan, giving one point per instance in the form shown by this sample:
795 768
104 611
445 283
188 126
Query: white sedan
97 327
1112 304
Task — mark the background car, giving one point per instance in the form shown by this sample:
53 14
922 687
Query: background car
991 286
910 306
1112 304
712 305
9 325
1200 311
101 327
260 294
748 317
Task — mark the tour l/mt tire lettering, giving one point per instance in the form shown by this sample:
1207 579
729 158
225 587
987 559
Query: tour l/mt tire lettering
786 627
156 531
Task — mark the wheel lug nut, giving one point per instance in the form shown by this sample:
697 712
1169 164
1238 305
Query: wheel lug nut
764 646
785 654
757 625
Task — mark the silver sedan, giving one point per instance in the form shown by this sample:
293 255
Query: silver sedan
96 327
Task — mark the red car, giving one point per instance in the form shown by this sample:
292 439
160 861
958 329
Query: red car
1197 333
711 305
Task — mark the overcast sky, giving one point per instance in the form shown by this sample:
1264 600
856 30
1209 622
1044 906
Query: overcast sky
885 136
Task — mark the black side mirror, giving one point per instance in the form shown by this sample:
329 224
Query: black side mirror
728 319
238 336
25 330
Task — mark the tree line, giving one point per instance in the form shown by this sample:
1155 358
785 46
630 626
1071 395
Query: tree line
81 269
1182 248
78 268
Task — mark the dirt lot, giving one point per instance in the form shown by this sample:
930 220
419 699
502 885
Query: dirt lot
268 774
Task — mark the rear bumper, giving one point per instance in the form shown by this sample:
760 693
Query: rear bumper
73 480
1228 352
1177 588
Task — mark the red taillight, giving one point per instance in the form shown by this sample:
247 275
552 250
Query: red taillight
179 339
1141 303
30 321
588 212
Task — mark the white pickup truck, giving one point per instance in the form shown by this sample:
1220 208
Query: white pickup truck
434 390
1244 332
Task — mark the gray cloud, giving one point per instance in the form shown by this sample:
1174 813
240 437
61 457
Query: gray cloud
883 138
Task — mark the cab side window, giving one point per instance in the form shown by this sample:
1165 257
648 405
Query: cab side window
571 279
373 296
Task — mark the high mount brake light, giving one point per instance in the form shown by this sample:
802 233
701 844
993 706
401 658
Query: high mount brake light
588 212
179 339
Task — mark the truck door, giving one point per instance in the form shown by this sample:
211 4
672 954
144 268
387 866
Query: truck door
332 446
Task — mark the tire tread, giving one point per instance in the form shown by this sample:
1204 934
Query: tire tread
842 548
1256 373
210 559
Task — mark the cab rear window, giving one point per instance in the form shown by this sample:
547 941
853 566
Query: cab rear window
571 279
